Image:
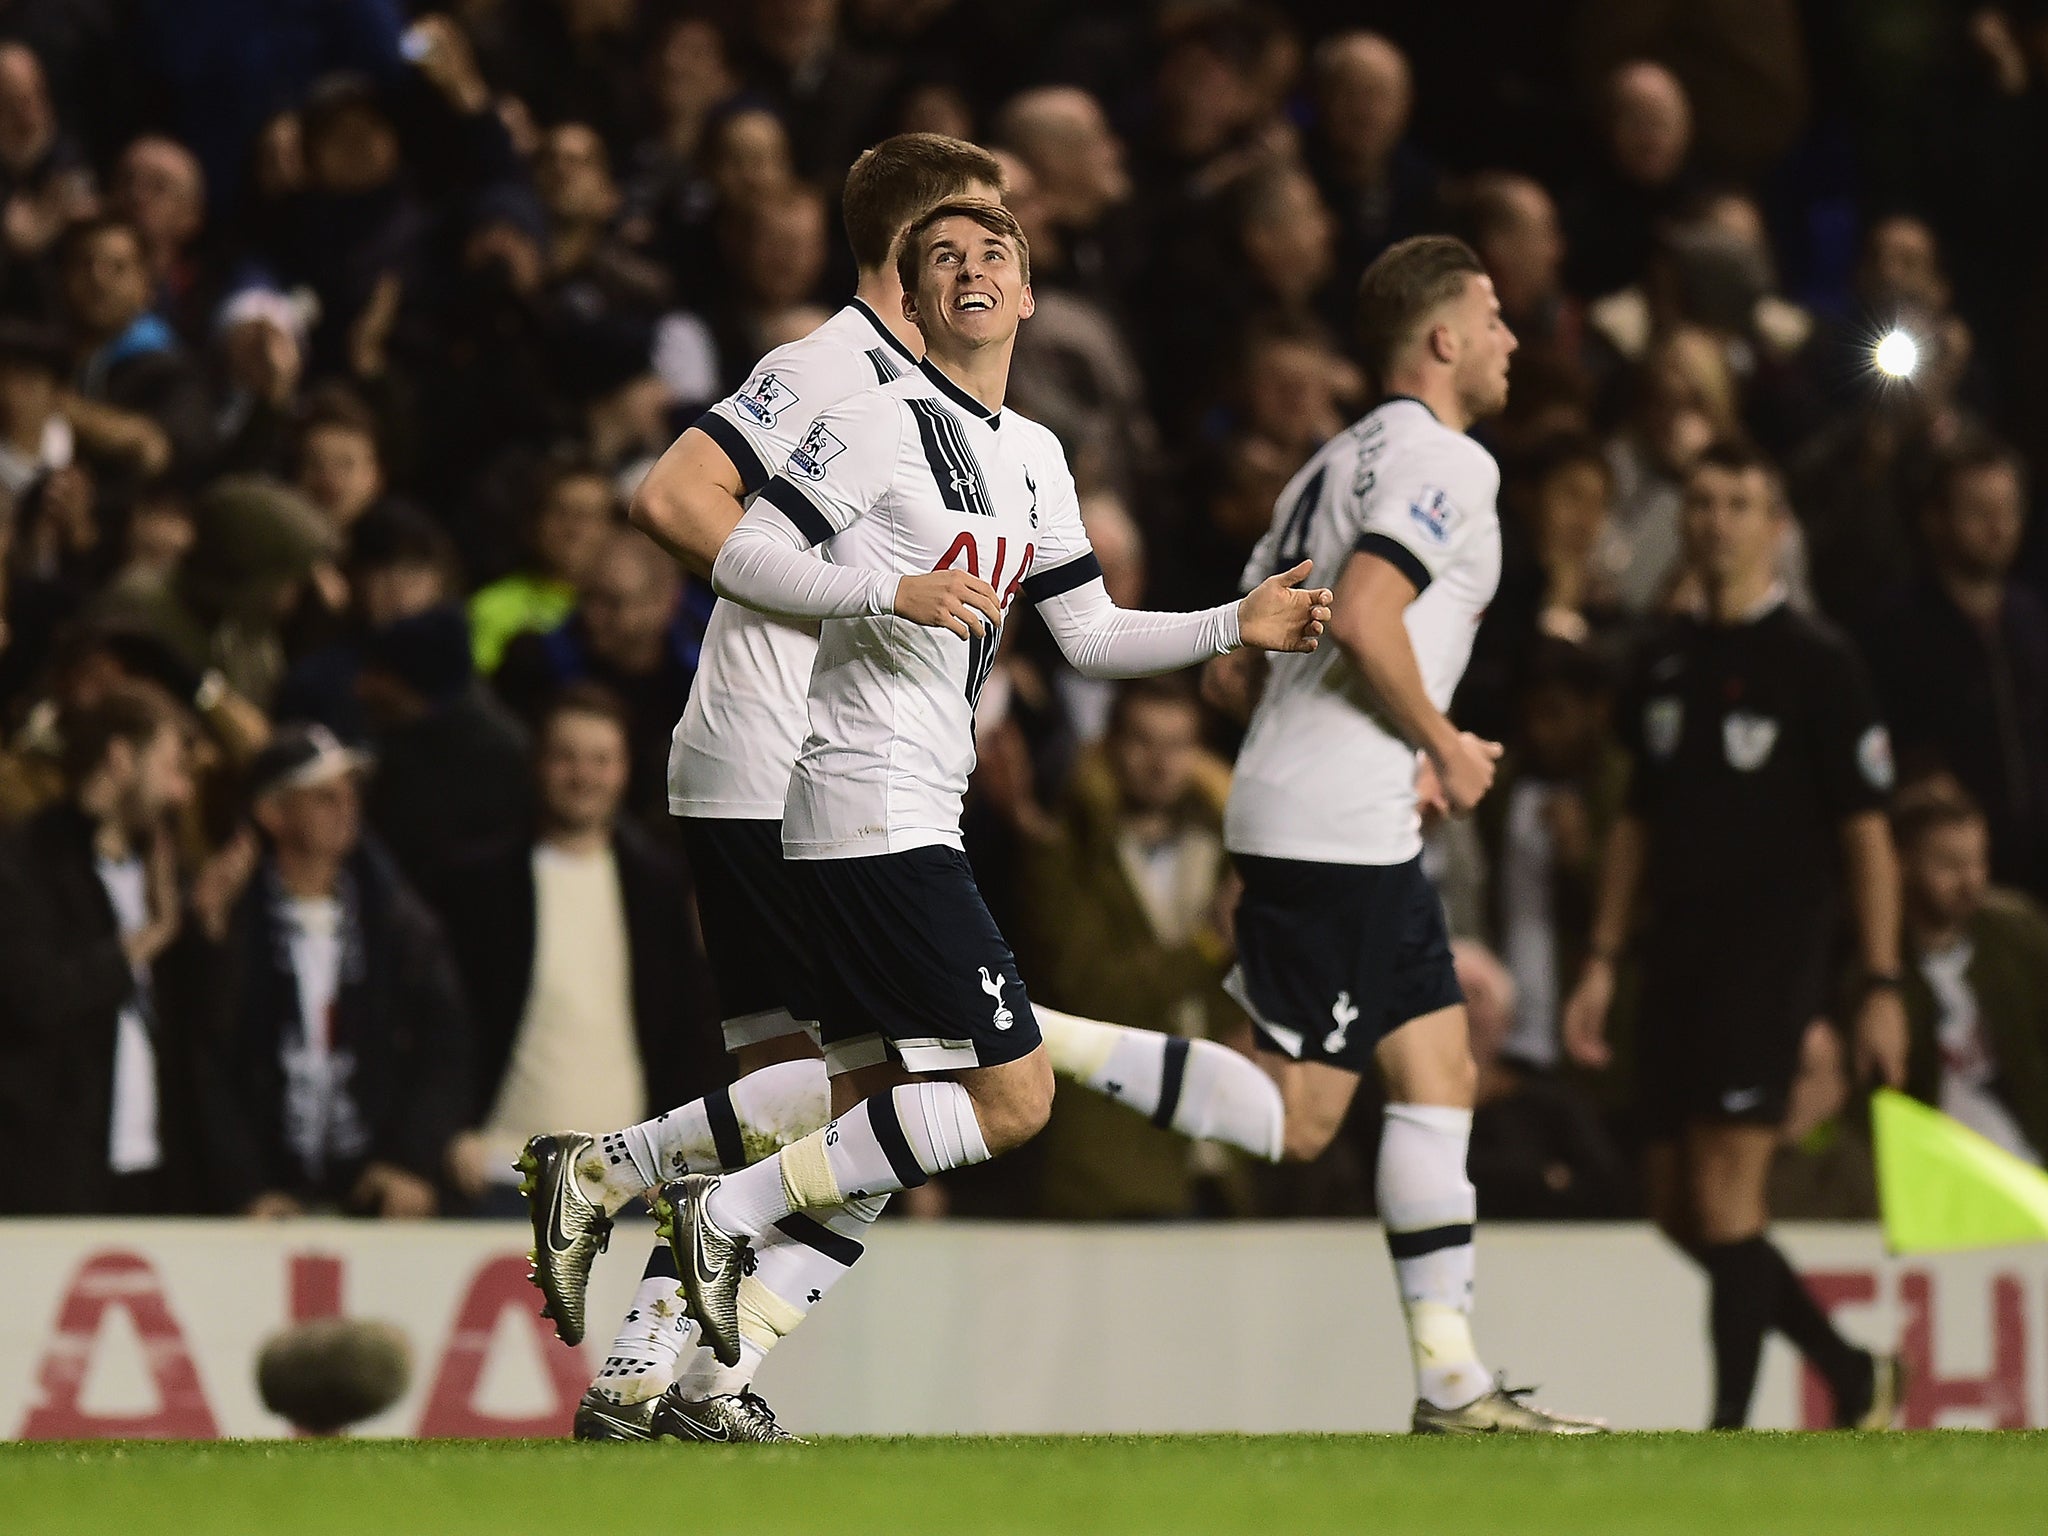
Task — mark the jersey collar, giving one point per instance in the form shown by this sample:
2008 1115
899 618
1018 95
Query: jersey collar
1412 400
882 330
959 396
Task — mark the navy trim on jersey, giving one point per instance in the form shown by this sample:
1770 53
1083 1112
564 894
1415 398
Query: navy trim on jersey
817 1237
894 1144
725 1128
882 330
954 467
733 443
1396 554
1413 1245
886 372
1062 579
959 396
793 504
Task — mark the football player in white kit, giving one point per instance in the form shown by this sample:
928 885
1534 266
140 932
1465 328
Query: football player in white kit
907 521
729 770
1344 959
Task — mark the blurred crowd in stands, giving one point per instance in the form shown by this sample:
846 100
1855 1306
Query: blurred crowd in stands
336 691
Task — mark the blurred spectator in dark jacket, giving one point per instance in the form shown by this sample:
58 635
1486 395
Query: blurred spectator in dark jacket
574 507
1513 224
452 762
399 565
1380 187
259 551
575 946
1539 1150
1976 975
636 631
1126 914
1614 215
831 92
92 1072
141 407
341 1042
45 179
337 463
1062 134
1961 661
775 248
259 359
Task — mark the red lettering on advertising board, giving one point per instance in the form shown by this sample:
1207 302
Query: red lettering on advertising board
2001 1391
315 1287
107 1281
500 1286
1831 1289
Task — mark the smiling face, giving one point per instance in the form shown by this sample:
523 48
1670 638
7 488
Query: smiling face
972 287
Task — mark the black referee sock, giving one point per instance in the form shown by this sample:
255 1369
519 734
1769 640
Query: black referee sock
1848 1369
1744 1304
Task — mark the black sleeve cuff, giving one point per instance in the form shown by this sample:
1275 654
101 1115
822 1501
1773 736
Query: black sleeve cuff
793 504
733 443
1396 554
1061 579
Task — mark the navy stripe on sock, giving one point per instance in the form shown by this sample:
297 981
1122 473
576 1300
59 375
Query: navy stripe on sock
1413 1245
895 1145
798 1227
725 1129
1172 1077
661 1264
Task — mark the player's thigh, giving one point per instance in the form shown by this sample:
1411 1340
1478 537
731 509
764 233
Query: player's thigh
1316 1097
1013 1100
1668 1191
773 1052
1728 1165
1428 1060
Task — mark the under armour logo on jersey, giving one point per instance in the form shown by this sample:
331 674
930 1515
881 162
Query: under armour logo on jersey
765 399
952 462
818 449
993 986
1345 1012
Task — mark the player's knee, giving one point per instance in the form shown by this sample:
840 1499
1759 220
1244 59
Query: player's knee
1020 1106
1308 1132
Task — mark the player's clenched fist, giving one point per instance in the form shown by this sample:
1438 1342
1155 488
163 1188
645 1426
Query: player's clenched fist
953 600
1280 614
1464 767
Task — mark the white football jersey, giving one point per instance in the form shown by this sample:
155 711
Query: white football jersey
745 720
913 477
1322 776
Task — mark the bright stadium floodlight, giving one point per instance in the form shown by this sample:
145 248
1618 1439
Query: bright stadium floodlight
1896 354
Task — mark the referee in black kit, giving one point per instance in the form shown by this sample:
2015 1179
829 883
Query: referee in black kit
1756 803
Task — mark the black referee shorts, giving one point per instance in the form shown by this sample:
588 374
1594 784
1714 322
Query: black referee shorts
910 965
1333 958
759 957
1719 1027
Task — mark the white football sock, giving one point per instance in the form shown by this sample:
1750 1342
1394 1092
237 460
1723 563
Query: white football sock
796 1263
730 1128
1196 1087
1428 1206
657 1329
891 1141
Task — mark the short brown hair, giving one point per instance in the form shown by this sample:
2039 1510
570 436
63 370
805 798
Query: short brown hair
993 217
1404 284
1736 455
898 179
1932 804
1974 451
136 713
591 699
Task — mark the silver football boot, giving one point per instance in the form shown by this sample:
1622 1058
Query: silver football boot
738 1419
1503 1411
569 1232
599 1418
708 1258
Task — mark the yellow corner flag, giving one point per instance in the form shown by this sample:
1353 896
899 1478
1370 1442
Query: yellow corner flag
1941 1185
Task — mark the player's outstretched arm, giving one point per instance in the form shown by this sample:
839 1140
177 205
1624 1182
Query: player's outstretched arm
1102 640
1369 622
690 501
1280 614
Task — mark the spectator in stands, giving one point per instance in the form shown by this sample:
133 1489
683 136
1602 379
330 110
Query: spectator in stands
452 762
574 943
1513 224
342 1054
45 179
1961 661
1126 917
636 632
828 90
1976 975
1062 134
1614 216
258 359
340 467
775 248
93 1074
1377 182
160 189
574 508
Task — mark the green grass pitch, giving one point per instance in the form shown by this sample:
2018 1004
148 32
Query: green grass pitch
1629 1485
